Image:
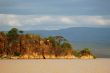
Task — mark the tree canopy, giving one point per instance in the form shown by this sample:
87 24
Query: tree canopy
15 43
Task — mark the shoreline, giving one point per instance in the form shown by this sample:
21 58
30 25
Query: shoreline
52 59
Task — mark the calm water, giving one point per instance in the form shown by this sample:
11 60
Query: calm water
100 49
55 66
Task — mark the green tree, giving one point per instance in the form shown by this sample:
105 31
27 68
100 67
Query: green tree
67 48
85 51
21 32
60 40
66 45
12 36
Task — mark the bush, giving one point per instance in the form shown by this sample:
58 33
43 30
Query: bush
85 51
94 57
77 54
16 53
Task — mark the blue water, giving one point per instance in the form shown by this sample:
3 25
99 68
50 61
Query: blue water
100 49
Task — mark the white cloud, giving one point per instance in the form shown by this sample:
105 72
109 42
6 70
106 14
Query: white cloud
28 22
98 20
67 20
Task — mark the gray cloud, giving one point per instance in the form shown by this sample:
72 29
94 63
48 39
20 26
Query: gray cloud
55 7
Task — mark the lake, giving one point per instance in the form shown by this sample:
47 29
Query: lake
99 65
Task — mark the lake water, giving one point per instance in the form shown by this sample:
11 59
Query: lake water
100 49
99 65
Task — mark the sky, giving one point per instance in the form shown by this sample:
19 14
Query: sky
53 14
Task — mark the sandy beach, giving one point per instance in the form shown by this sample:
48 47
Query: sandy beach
99 65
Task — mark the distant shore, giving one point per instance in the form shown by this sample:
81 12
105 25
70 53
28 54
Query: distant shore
99 65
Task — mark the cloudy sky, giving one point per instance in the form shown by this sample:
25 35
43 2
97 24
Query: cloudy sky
53 14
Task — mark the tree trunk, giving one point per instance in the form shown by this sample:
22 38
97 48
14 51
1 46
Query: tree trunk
43 54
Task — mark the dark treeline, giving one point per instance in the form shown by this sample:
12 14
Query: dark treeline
15 43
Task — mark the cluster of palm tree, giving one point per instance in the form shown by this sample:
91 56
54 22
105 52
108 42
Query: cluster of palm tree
16 43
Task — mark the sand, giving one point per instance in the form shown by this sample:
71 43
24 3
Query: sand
99 65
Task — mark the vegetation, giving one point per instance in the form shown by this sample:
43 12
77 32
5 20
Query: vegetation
15 44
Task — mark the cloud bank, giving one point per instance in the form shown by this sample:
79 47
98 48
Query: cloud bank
35 22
